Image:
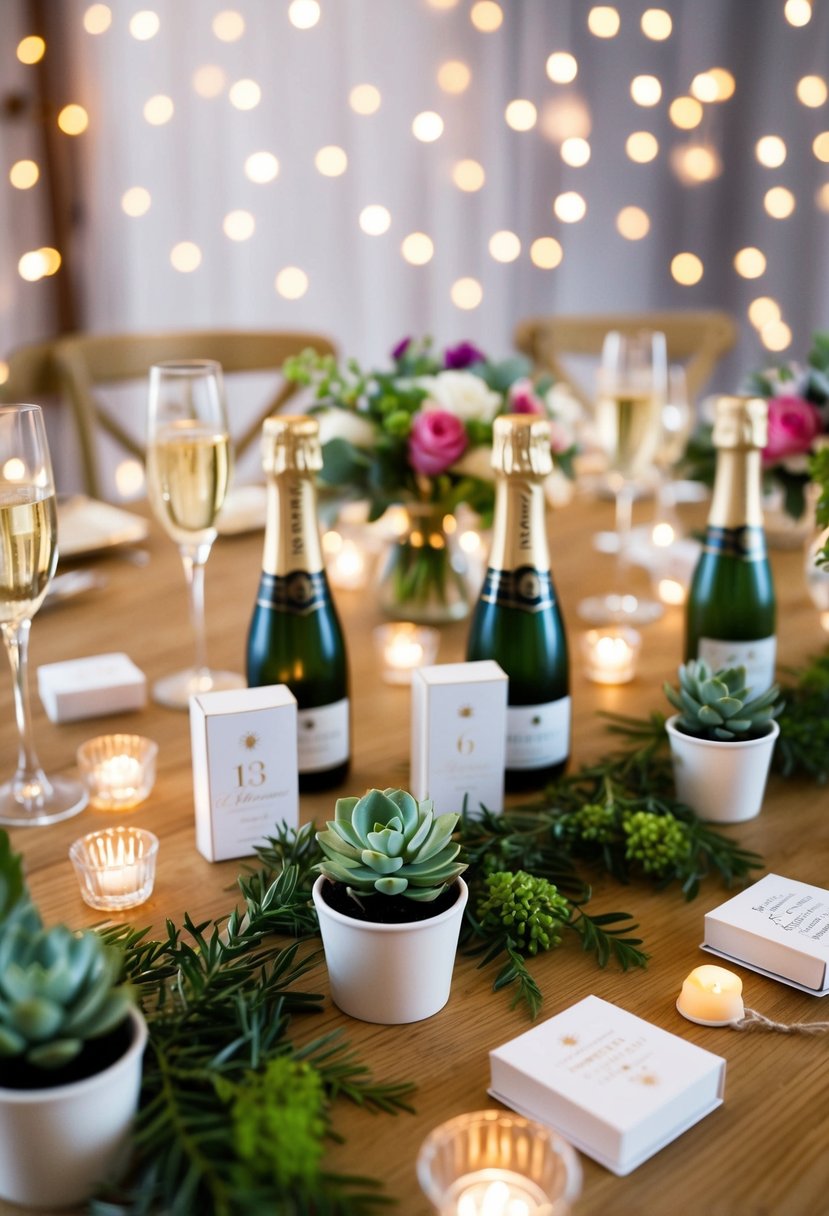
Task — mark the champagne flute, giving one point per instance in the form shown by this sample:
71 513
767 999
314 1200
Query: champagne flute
677 419
632 386
188 472
28 556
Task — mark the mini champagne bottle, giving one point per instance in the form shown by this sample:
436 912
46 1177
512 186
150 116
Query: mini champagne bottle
295 636
730 619
517 620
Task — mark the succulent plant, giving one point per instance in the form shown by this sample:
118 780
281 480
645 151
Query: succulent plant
388 843
716 705
57 988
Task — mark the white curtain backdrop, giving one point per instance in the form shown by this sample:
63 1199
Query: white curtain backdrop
360 289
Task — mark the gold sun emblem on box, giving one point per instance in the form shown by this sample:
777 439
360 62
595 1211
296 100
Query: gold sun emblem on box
569 1040
249 741
648 1079
466 711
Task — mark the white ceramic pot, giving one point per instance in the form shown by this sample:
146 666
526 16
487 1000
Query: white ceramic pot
57 1144
723 782
390 973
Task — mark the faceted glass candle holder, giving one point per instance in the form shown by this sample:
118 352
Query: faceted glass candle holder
115 867
495 1163
118 770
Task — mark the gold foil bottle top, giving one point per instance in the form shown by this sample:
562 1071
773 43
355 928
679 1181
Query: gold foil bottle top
521 444
740 422
290 443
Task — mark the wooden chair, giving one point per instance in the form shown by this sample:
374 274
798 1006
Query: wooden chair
32 374
698 340
86 362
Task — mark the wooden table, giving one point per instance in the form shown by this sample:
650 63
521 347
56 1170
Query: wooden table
763 1152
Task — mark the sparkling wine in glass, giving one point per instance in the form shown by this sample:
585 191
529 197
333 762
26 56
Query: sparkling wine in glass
28 556
632 387
188 472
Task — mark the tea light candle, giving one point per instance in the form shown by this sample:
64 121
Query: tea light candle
402 647
345 561
610 654
118 770
711 996
496 1193
115 867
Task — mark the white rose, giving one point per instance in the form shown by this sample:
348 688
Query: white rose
345 424
461 393
564 405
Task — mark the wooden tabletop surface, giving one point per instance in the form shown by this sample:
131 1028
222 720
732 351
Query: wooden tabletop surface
763 1153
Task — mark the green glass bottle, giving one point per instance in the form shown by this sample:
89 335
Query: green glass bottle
295 636
731 614
517 620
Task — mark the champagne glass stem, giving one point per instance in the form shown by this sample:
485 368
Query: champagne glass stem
193 560
29 778
624 522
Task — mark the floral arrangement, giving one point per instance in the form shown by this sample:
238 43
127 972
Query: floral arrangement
422 430
798 400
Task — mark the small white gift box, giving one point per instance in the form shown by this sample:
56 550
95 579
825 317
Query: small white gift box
614 1085
778 927
459 724
92 686
245 777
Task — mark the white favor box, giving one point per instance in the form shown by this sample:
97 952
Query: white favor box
778 927
87 688
245 778
614 1085
459 728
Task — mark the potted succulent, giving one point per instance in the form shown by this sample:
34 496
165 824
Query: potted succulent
390 901
722 741
71 1042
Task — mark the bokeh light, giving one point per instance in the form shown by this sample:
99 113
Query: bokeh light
762 310
724 83
487 17
427 126
811 91
562 67
656 24
603 21
686 269
73 119
209 80
696 163
331 161
136 201
521 115
575 151
822 197
97 19
504 246
776 336
364 99
468 175
129 478
245 94
228 25
646 90
820 146
261 167
32 266
303 14
291 283
454 76
779 202
704 87
770 151
797 12
144 25
570 207
750 262
185 257
546 253
685 113
375 219
238 225
466 293
158 110
31 49
642 147
24 174
633 223
417 248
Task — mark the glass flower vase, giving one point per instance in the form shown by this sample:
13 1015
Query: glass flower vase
425 577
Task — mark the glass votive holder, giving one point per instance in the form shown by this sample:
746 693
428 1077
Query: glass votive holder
347 560
610 654
118 770
115 867
402 647
496 1163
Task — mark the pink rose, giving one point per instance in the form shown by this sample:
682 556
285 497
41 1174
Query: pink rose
793 424
523 400
436 440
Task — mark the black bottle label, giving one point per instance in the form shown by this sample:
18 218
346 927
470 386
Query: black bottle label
525 588
299 592
748 543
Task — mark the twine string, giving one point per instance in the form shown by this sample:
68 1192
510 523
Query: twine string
755 1020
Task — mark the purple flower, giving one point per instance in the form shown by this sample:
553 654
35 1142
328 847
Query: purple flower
436 440
398 351
462 355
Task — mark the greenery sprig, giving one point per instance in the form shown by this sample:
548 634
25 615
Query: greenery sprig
219 999
803 746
